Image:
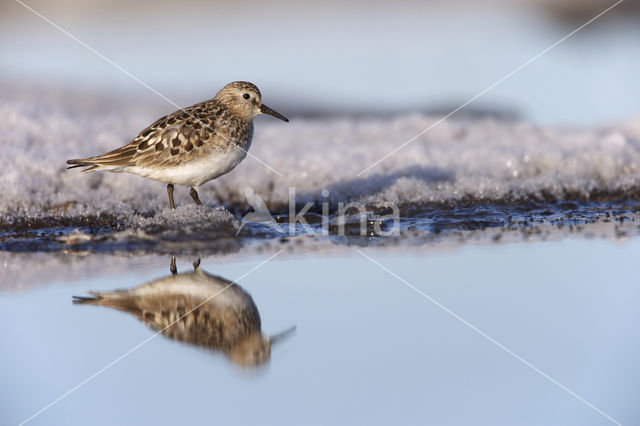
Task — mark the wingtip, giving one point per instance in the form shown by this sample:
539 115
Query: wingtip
95 297
78 300
77 162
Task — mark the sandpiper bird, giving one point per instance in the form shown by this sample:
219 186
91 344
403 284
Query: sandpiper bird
199 309
193 145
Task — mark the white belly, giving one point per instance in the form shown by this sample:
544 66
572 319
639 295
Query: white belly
196 172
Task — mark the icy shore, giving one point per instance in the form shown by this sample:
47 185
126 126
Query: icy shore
459 164
483 160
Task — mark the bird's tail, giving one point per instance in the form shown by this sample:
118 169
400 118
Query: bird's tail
119 299
95 299
82 162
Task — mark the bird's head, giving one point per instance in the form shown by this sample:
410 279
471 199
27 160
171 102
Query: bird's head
252 351
245 99
255 349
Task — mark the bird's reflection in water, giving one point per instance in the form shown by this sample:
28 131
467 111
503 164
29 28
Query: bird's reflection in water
199 309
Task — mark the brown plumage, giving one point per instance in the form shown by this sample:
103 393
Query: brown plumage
184 135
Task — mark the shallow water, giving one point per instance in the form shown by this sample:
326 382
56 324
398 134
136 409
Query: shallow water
367 347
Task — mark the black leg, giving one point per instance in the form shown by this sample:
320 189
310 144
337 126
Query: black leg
196 264
170 192
172 267
194 195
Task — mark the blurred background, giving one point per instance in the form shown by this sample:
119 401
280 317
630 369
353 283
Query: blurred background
335 58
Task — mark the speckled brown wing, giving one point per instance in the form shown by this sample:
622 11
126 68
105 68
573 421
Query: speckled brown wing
185 135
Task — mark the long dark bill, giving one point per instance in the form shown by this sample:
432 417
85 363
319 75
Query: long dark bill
283 335
266 110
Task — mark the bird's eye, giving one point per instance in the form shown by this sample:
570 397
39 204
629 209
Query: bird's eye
246 96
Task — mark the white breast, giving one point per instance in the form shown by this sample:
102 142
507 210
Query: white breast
194 173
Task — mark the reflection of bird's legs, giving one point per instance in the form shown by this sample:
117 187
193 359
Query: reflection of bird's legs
170 192
194 195
172 267
196 264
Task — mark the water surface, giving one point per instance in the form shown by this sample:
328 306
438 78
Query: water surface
367 347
